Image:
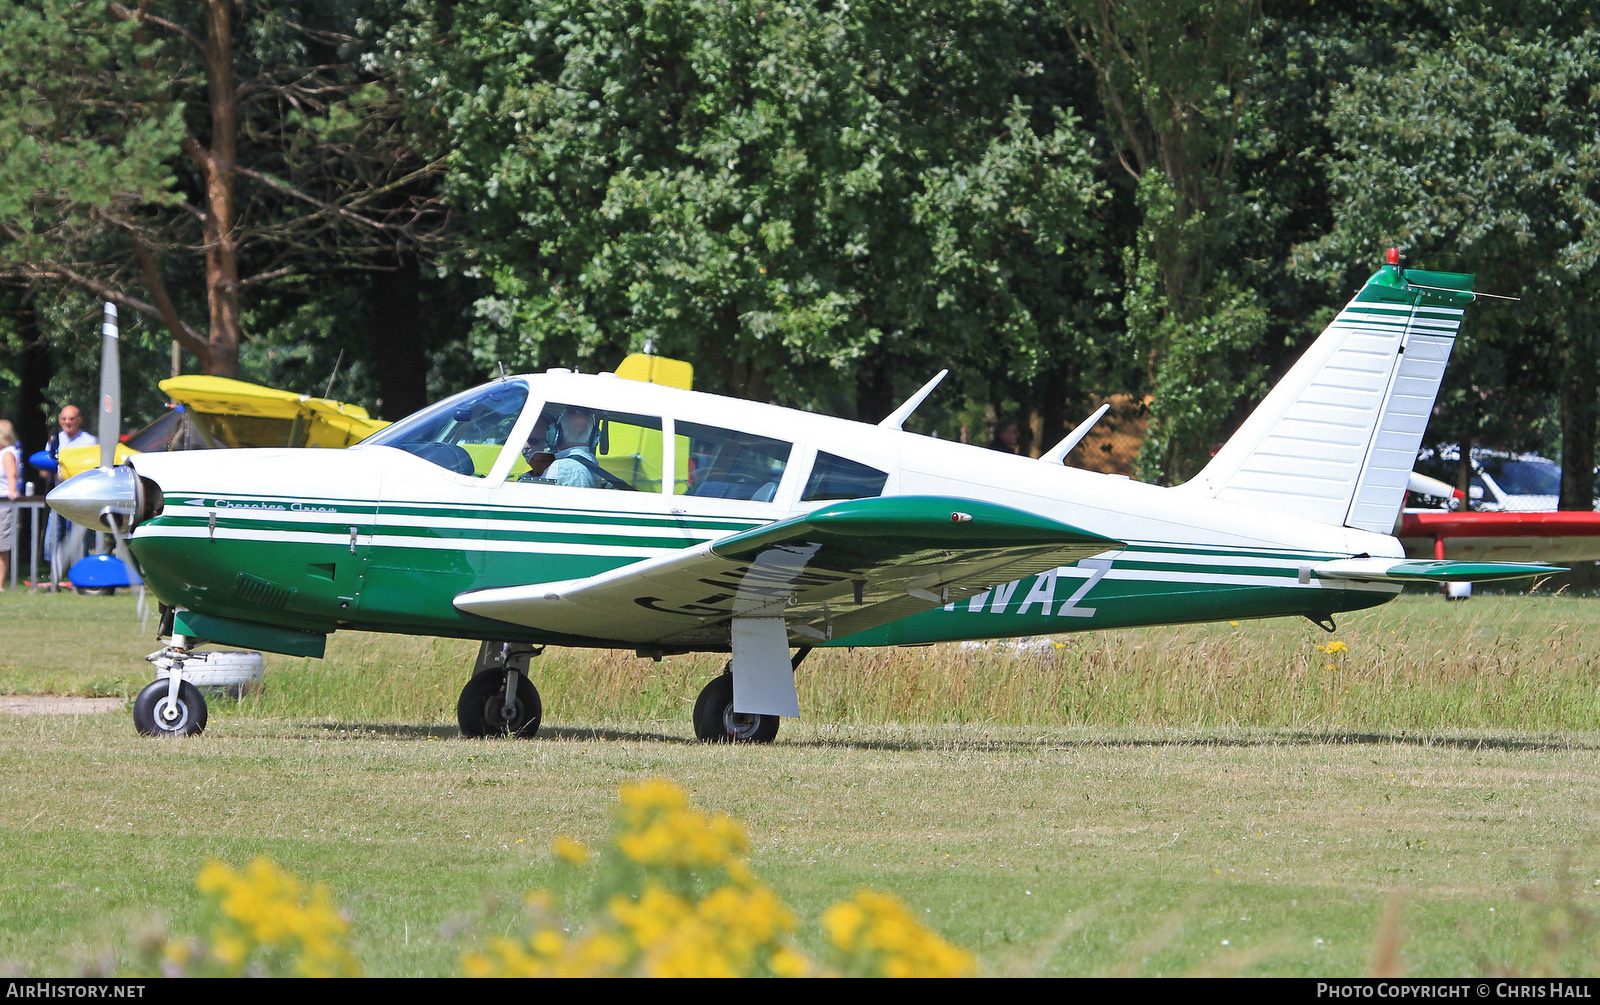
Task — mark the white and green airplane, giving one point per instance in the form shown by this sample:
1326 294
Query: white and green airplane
588 510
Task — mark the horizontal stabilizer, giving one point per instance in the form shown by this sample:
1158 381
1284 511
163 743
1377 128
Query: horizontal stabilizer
837 570
1377 570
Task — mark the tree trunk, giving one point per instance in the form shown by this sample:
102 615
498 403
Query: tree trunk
217 167
1057 391
398 344
875 385
1578 414
33 374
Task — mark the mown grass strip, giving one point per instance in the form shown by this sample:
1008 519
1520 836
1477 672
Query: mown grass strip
1205 799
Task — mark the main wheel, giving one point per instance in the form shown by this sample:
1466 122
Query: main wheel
482 708
155 714
715 721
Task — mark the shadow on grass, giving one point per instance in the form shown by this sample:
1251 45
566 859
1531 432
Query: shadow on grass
408 731
1286 738
1254 738
1571 741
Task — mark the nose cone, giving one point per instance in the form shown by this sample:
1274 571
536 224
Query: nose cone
88 499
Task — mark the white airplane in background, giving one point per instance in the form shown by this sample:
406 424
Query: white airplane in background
588 510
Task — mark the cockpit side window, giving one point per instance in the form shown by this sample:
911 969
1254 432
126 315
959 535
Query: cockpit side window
835 477
583 447
464 433
728 464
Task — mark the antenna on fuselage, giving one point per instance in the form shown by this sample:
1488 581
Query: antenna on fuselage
329 389
502 368
1058 453
896 418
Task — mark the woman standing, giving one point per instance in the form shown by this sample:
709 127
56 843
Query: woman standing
11 485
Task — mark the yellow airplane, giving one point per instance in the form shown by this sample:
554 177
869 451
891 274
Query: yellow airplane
220 412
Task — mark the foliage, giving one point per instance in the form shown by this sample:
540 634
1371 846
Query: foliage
180 161
1174 81
793 197
816 203
1480 150
1195 352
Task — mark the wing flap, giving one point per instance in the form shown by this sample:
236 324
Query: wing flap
1441 571
840 569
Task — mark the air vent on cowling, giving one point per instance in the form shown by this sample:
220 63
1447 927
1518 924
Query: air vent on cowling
260 592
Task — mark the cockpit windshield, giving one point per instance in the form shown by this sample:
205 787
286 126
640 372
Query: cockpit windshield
464 433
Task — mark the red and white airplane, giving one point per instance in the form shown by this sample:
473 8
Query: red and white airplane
1556 538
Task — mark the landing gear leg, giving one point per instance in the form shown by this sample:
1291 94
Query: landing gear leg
170 706
499 700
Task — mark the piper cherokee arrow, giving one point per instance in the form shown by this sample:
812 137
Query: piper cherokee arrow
588 510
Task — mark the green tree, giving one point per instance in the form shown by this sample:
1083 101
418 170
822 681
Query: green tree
1174 80
1480 149
200 153
807 201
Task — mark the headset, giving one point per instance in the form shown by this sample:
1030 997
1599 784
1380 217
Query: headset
599 431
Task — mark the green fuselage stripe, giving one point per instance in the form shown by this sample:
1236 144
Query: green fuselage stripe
384 587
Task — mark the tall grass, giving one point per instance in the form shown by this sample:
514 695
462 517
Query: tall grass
1523 663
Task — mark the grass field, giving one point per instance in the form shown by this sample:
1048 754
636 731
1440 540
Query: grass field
1203 799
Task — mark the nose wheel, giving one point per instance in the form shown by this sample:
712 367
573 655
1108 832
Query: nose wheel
157 712
715 721
170 705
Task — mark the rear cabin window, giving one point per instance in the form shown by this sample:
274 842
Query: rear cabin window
727 464
835 477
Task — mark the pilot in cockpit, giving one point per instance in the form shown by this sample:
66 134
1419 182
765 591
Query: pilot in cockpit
571 439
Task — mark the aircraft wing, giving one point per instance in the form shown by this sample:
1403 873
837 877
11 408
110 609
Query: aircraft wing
318 422
1566 536
840 569
1374 570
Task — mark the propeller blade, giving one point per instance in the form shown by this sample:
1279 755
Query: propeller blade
110 387
120 549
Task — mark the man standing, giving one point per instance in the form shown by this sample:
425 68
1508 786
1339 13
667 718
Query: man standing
71 434
64 542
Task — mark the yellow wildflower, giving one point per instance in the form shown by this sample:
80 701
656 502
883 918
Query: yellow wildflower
272 909
788 963
875 933
569 850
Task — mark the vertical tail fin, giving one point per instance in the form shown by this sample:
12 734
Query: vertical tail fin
1336 439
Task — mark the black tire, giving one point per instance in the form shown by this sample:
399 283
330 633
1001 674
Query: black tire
715 721
150 707
481 710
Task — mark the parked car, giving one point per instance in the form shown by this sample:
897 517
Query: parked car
1502 482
